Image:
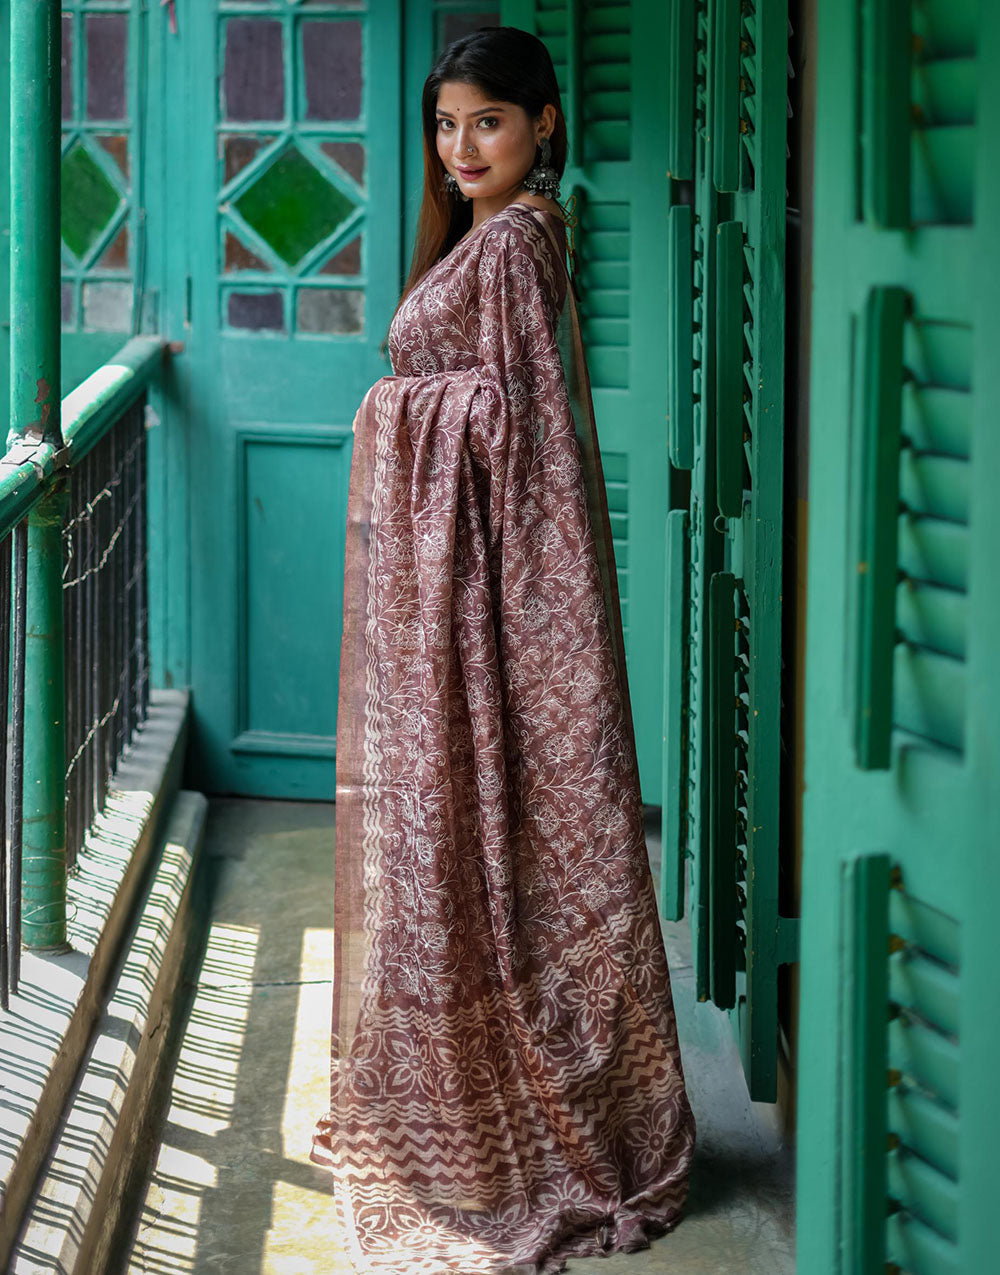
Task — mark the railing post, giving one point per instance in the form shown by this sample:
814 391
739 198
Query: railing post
43 883
35 397
35 134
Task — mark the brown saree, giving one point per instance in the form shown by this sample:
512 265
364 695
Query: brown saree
506 1083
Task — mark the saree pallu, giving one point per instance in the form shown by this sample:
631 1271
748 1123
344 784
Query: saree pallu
506 1083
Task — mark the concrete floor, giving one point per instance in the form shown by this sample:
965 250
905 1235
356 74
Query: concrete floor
232 1190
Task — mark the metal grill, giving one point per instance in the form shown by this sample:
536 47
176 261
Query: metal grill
105 627
106 623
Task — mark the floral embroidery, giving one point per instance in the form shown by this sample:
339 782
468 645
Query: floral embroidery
504 1052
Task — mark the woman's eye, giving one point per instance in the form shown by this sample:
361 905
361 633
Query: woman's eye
488 119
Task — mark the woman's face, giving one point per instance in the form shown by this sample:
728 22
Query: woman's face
487 145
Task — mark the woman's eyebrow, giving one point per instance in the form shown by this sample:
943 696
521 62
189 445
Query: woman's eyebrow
484 111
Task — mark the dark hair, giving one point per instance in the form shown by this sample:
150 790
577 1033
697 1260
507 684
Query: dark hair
507 65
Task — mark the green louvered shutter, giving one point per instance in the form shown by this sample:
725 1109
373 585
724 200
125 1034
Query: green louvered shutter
607 55
727 138
900 1028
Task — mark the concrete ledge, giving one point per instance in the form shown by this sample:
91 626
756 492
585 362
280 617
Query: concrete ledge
45 1034
78 1207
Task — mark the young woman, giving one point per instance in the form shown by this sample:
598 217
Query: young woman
506 1083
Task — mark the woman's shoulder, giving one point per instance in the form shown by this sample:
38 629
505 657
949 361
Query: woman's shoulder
524 211
518 226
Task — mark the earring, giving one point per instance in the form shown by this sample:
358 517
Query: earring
453 188
543 178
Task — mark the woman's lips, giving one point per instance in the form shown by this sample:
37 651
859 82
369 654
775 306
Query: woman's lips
470 174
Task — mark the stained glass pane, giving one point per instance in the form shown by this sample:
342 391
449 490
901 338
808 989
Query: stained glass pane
350 156
237 152
346 260
107 42
67 305
254 75
239 256
107 307
67 66
454 25
331 58
256 311
115 256
88 200
292 206
117 147
330 310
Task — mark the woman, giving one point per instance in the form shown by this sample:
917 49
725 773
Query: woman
506 1084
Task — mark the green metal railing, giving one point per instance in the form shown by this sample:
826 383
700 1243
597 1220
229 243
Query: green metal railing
72 526
72 535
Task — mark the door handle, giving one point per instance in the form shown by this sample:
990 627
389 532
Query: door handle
864 907
680 246
878 524
674 717
726 95
680 121
722 788
729 368
886 132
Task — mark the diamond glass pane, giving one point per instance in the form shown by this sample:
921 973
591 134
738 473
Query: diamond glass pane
350 156
67 303
88 200
107 307
237 152
292 206
239 256
346 260
107 43
254 76
256 311
117 147
330 310
331 61
67 66
115 255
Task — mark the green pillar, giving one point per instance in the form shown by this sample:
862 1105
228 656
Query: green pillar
43 881
35 394
35 126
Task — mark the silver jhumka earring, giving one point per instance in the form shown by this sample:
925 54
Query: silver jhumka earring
453 188
543 178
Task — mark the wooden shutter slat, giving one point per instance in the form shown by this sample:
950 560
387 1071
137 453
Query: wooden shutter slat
929 696
930 549
925 1054
926 1192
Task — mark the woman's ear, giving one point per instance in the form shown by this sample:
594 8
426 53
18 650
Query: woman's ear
546 122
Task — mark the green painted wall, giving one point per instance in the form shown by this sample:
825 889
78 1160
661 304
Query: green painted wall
898 1119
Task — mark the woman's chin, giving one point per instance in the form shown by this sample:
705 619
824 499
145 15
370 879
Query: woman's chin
492 190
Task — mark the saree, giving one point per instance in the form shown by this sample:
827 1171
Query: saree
506 1083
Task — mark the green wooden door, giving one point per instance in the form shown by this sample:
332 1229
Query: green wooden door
607 55
288 116
727 138
900 1031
